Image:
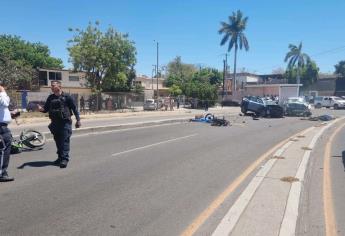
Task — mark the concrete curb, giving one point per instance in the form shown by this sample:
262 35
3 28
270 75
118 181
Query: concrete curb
96 129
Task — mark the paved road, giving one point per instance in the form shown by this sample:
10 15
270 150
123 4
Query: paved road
145 181
314 197
93 120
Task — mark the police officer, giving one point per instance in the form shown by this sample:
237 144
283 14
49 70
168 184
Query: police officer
60 107
5 136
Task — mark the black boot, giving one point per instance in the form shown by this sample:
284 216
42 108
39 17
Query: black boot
5 178
63 164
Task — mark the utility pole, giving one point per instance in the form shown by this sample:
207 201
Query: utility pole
224 66
153 71
157 68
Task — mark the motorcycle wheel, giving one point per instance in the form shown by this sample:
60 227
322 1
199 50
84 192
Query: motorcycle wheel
32 138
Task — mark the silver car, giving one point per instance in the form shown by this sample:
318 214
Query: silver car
150 105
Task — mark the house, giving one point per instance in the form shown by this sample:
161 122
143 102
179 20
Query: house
242 79
259 85
72 82
150 86
324 86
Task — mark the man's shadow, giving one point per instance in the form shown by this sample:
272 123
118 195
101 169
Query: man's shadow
37 164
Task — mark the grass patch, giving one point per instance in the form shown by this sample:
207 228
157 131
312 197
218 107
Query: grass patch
278 157
294 139
307 148
300 136
289 179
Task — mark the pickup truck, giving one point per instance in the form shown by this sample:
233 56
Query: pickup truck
329 101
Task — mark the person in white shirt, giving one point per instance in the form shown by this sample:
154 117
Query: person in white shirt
5 135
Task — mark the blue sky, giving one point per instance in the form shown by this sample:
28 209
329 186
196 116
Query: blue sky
189 28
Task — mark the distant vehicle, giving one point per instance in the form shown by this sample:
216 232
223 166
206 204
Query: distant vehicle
329 101
32 105
150 105
261 107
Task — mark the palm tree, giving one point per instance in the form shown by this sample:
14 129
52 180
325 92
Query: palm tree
233 32
295 55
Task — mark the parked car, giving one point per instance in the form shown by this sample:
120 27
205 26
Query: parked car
32 105
261 107
329 101
150 105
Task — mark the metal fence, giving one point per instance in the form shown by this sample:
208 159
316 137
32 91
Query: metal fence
103 102
108 101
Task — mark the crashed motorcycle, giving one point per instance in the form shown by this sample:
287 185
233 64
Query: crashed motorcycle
28 139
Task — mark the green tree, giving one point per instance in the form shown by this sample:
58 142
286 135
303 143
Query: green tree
19 60
340 68
209 75
234 33
180 71
16 75
107 58
296 59
21 52
188 80
309 74
175 90
138 88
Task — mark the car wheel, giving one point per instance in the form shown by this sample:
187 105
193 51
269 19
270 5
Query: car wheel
336 107
318 105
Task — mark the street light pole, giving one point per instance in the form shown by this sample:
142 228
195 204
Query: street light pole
153 71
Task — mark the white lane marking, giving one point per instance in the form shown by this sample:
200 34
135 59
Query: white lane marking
115 131
233 215
121 130
288 226
229 221
151 145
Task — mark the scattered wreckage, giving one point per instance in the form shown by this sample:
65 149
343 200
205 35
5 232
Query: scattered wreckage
211 119
320 118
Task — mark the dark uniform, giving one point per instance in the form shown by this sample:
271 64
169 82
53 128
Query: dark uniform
5 137
60 109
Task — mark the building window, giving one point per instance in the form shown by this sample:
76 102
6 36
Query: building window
73 78
43 77
55 76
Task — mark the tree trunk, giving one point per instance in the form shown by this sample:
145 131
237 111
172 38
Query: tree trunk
235 62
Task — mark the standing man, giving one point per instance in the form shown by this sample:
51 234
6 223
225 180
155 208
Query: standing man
82 104
60 107
5 136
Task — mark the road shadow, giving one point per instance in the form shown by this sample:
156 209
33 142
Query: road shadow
343 158
37 164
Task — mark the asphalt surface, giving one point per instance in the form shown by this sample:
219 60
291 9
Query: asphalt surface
338 183
143 181
113 119
311 220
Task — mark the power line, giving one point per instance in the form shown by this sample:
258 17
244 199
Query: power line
334 50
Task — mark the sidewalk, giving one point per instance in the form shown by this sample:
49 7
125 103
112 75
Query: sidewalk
269 204
93 121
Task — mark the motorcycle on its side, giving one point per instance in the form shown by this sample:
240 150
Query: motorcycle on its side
28 139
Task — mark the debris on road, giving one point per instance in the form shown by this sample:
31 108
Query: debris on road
320 118
210 118
289 179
